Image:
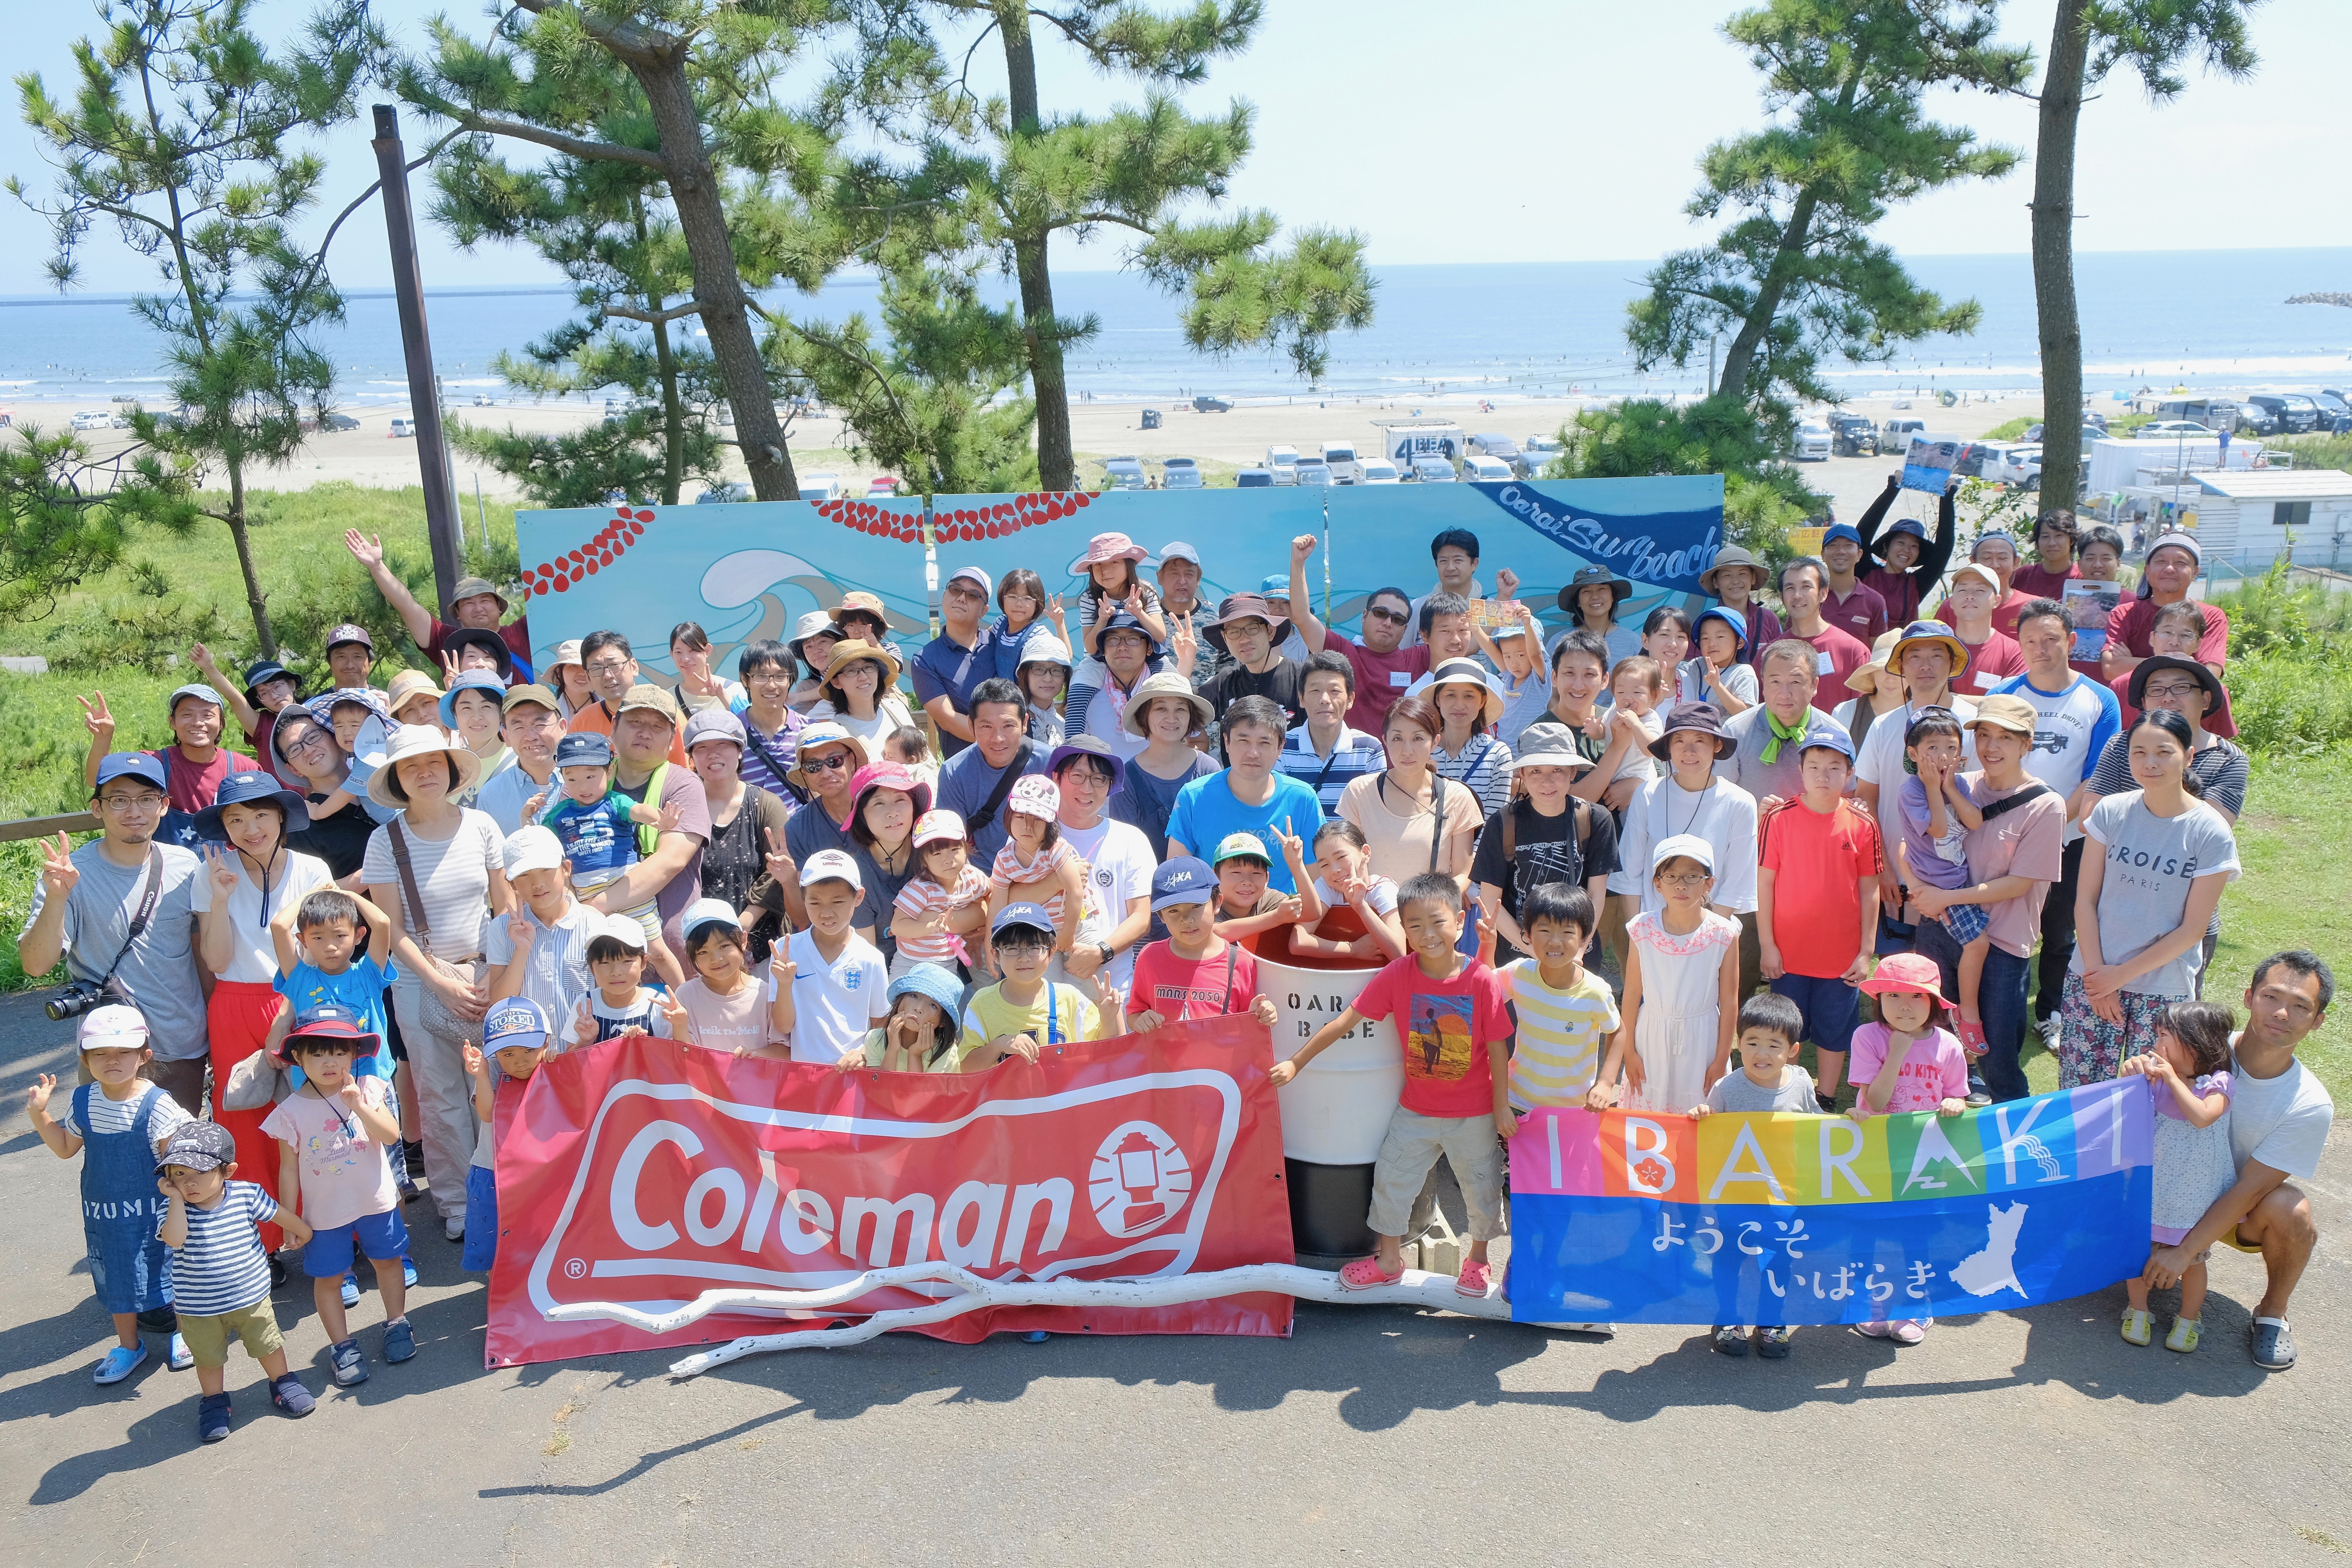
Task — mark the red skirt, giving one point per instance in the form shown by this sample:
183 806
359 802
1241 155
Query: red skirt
238 1019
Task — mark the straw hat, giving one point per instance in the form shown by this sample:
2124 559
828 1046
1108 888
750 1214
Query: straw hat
1168 683
826 733
1866 680
1729 555
1935 632
406 688
846 654
411 740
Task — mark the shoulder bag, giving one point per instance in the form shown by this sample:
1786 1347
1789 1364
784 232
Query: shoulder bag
432 1011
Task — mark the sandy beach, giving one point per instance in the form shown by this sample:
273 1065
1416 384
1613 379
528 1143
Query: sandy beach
370 456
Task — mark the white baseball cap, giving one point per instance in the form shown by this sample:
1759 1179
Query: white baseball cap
117 1026
830 866
621 929
531 849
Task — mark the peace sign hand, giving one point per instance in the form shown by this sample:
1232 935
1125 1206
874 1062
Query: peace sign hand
584 1032
96 719
448 669
220 872
673 1014
778 861
1057 612
58 873
1294 848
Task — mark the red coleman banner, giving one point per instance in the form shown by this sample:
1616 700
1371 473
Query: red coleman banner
644 1173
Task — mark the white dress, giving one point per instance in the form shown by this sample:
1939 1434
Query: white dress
1680 1020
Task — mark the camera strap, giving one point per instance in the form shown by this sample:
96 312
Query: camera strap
139 920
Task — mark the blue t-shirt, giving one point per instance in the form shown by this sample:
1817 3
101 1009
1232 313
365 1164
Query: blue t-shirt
945 667
360 988
1206 811
966 780
599 840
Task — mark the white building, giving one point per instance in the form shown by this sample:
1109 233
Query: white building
2243 515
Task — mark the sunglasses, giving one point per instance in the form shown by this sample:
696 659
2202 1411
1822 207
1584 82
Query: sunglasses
1397 617
825 764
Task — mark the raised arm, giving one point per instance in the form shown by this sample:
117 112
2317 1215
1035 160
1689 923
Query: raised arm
1302 613
1875 512
368 550
231 697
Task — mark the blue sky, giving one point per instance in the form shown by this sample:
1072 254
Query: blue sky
1519 130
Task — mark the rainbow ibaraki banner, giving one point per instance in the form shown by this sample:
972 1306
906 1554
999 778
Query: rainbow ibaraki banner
1640 1217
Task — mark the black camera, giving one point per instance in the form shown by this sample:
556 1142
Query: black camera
73 999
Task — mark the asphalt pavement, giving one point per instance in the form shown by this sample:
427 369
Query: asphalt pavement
1373 1434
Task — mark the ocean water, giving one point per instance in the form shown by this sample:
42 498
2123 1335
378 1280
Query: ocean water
2206 319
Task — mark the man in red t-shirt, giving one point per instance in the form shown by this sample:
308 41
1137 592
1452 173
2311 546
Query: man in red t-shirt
1836 655
2054 546
1195 973
1817 903
1993 655
1382 668
2170 571
1996 554
194 765
473 603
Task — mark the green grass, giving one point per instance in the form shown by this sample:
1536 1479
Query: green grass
2294 811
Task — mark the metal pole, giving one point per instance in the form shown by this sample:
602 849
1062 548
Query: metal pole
424 394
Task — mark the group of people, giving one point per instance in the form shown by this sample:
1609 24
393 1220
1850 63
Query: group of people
1620 858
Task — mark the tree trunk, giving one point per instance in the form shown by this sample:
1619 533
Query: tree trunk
236 532
726 309
1056 466
2053 258
673 416
1742 352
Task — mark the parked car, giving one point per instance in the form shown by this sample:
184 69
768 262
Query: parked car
1178 474
1124 474
1284 461
339 422
1487 443
2255 420
2289 415
2335 411
1150 420
1895 434
1254 479
1432 471
90 419
2171 430
1204 403
1812 443
401 430
1375 471
1973 455
882 486
1313 473
2019 465
1487 470
1339 456
821 484
719 494
1853 436
1547 448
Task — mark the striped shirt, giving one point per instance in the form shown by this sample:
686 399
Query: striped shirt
1353 755
767 758
922 896
1557 1052
222 1268
1482 767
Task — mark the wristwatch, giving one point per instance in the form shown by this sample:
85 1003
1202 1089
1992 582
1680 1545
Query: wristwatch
1104 948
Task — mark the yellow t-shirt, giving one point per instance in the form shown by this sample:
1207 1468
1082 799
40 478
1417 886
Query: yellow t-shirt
945 1061
988 1017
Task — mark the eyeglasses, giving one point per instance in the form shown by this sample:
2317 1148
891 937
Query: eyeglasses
825 764
970 596
606 667
310 741
130 803
1014 598
1684 878
2170 690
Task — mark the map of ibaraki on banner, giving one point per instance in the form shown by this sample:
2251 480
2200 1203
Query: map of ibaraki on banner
1647 1218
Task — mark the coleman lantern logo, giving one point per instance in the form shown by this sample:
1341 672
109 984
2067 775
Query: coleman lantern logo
1139 1180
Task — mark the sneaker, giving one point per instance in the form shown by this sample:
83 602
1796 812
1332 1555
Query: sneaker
120 1363
1979 1096
1773 1344
278 1275
2136 1329
1730 1340
2274 1344
1474 1279
399 1341
408 1271
351 1291
180 1358
408 1171
212 1417
453 1227
289 1394
2186 1331
350 1364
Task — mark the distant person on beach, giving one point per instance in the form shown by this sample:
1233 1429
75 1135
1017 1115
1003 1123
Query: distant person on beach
1909 563
473 603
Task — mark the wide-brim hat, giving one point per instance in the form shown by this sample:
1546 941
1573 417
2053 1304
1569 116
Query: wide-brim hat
1881 649
2137 691
1905 972
846 654
252 789
1168 683
1462 672
1083 745
566 652
476 588
408 686
1593 577
262 670
815 624
1546 744
932 982
1702 717
1048 648
463 637
857 600
1104 547
1245 607
1935 632
825 735
888 775
472 681
330 1021
1729 555
410 741
1123 622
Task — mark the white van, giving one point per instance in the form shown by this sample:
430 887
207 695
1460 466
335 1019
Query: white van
1339 456
1284 461
400 429
1490 470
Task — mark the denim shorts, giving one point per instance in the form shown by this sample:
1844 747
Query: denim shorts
381 1236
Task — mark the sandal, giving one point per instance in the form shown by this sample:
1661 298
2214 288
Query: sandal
2137 1328
1365 1274
1475 1280
1972 1036
2186 1332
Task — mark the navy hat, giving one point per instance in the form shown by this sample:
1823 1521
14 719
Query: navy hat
459 637
1842 530
1593 577
1084 745
1910 525
584 749
1023 914
515 1022
265 670
1699 718
199 1146
1186 880
251 789
130 764
333 1022
1833 736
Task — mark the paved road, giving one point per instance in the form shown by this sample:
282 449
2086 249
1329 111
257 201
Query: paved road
1373 1434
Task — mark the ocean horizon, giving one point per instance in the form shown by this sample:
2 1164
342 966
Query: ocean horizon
2213 319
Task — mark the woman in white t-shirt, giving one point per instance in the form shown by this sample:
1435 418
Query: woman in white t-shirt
453 856
243 884
861 694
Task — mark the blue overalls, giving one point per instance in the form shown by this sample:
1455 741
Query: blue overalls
130 1267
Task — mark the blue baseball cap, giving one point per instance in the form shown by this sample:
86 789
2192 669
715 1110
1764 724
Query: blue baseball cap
516 1022
130 764
1023 914
1276 586
1732 618
1185 881
1832 737
584 749
929 980
1842 530
197 689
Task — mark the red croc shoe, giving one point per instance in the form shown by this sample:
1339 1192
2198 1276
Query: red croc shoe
1365 1274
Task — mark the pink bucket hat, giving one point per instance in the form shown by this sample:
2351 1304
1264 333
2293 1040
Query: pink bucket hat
1034 795
1107 547
1905 972
888 775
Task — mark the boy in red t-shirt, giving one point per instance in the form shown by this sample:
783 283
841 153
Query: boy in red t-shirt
1819 864
1455 1095
1195 973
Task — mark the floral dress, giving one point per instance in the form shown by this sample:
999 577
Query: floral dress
1681 1015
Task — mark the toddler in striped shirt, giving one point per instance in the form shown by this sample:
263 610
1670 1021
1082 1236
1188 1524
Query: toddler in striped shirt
945 901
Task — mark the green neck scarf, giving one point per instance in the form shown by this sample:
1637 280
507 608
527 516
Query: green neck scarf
1782 732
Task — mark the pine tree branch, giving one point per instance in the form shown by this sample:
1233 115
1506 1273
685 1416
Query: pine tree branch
578 147
654 317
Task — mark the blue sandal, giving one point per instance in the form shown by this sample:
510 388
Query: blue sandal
120 1363
212 1417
